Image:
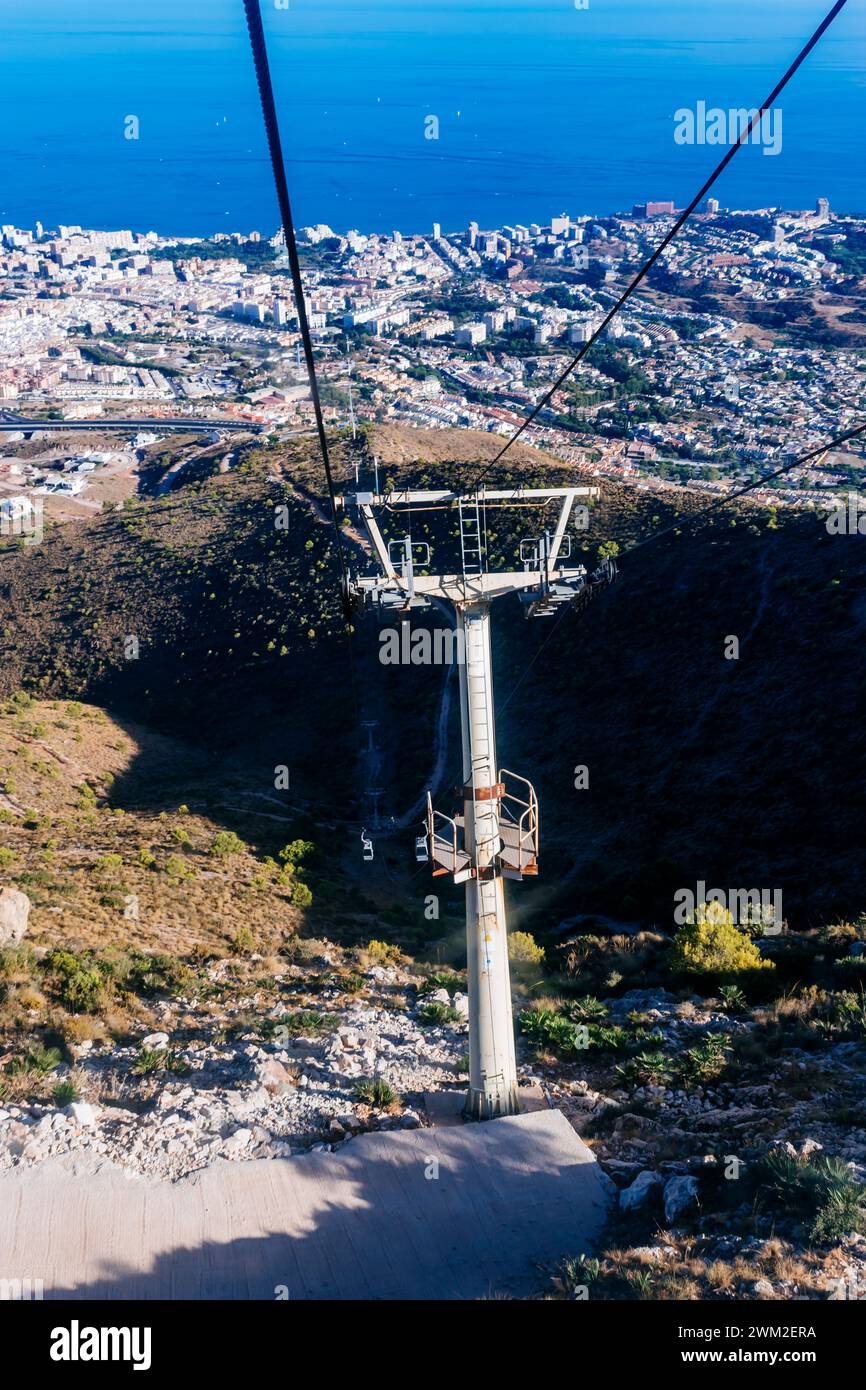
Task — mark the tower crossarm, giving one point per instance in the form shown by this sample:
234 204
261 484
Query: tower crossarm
411 497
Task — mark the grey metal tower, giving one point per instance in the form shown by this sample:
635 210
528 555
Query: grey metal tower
495 836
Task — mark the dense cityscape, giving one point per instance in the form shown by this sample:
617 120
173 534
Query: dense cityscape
741 350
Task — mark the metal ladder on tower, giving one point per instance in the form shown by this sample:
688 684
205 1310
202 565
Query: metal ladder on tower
483 770
471 546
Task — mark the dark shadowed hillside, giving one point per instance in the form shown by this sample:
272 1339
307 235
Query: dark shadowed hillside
742 772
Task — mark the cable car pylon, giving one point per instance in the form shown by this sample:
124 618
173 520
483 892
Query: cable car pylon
496 836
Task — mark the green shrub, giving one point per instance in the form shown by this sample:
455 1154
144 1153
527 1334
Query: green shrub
523 950
382 953
292 855
17 961
375 1092
175 1064
156 974
819 1187
849 1013
38 1060
244 941
64 1093
588 1010
552 1031
707 1060
301 895
109 863
225 843
712 944
436 1012
78 981
649 1068
733 999
148 1062
441 979
176 867
301 1023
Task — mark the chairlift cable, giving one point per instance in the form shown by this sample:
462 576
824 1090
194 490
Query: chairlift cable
667 239
269 112
697 517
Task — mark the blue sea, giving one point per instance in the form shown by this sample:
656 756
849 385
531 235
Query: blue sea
541 107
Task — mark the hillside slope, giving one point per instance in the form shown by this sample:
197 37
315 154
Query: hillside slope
744 772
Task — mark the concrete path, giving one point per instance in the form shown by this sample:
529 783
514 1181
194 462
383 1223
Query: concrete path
372 1221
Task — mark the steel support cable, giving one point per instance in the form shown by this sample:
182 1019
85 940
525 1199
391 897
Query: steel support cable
668 238
696 518
269 111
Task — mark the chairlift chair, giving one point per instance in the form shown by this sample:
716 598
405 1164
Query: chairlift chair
421 853
367 847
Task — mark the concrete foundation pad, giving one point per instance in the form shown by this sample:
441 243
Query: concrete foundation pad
446 1107
424 1214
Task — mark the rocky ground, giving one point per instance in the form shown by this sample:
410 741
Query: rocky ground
713 1177
253 1064
274 1082
163 1004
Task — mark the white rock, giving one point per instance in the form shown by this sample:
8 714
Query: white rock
645 1187
461 1004
155 1041
82 1114
239 1140
14 911
274 1077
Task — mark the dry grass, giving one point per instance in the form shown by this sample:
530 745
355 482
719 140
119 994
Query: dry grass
95 871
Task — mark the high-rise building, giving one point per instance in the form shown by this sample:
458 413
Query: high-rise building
471 334
473 234
437 231
580 332
712 206
822 207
